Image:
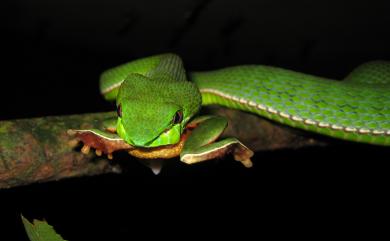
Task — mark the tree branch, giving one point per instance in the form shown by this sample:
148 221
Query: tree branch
39 149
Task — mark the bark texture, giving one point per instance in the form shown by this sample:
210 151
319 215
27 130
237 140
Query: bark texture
40 149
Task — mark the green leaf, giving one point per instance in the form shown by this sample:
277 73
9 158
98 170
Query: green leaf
40 231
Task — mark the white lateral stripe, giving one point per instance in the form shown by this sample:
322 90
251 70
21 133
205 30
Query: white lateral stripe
244 101
110 88
252 104
336 127
271 110
350 129
378 132
261 107
297 118
236 99
363 131
310 122
324 125
284 115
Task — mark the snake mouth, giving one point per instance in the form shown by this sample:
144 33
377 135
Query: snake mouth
169 136
164 152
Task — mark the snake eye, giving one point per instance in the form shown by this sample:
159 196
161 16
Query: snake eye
178 117
119 110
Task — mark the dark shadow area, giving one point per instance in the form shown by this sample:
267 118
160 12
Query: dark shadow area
54 51
138 204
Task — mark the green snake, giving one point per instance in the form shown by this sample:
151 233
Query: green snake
156 103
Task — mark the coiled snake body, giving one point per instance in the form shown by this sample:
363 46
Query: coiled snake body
157 105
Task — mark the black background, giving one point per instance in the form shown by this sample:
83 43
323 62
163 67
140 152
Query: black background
54 51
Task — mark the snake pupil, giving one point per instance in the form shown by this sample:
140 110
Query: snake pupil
119 110
178 117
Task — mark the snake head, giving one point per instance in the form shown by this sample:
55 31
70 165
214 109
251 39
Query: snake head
144 124
148 116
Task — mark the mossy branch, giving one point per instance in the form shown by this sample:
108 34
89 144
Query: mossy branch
39 149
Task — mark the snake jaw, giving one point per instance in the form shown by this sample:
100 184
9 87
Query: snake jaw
105 145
